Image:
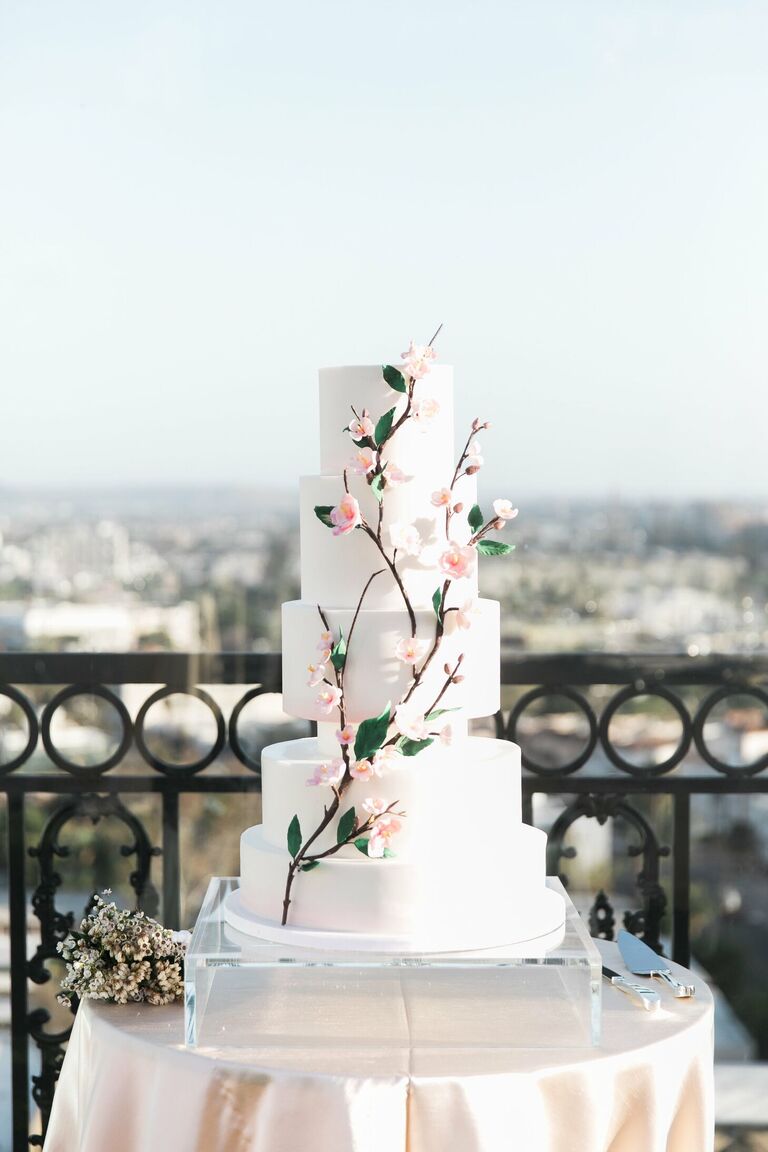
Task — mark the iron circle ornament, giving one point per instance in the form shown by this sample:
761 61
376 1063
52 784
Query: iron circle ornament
167 766
33 729
735 771
632 692
233 731
126 734
583 706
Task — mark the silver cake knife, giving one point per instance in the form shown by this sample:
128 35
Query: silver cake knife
643 961
645 997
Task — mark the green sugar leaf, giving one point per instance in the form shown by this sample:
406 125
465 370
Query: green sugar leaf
475 518
371 735
384 426
308 866
394 378
339 653
440 712
362 845
494 548
413 747
294 837
389 852
323 513
377 487
437 602
346 826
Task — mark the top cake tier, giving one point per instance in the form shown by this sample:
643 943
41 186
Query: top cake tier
425 450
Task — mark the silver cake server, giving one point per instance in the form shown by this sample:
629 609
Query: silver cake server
643 961
645 997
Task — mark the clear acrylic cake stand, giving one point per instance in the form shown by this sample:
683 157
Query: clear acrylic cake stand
244 992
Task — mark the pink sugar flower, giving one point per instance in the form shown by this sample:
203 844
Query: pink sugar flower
411 650
405 537
346 734
345 516
377 842
504 509
442 497
417 359
324 655
316 674
387 824
361 770
410 723
362 428
386 759
394 475
328 699
325 641
424 411
457 562
363 462
374 807
329 773
475 462
466 615
446 735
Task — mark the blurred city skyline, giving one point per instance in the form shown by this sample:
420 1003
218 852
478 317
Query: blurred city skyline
202 204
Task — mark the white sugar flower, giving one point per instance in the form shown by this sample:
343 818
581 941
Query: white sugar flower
361 429
410 723
394 475
467 614
424 411
504 509
411 650
405 537
417 360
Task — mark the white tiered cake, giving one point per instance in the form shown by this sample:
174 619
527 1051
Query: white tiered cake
392 829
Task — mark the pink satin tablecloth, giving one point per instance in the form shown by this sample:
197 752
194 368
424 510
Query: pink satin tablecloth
129 1085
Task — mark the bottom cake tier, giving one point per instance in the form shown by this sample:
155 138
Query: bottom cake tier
404 905
467 873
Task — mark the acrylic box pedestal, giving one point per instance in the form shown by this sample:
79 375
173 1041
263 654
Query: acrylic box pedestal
241 991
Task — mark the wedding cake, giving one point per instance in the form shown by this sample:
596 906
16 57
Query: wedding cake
393 829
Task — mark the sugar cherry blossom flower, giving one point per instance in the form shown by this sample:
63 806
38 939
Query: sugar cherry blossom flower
316 675
362 428
504 509
466 615
346 734
410 650
423 411
457 561
442 497
374 807
328 699
363 462
324 655
405 537
329 773
474 464
385 759
410 723
474 448
387 824
446 735
394 475
377 842
362 770
417 359
345 516
325 641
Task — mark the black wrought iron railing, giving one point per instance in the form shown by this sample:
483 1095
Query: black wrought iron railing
565 711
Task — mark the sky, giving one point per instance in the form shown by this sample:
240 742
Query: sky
203 202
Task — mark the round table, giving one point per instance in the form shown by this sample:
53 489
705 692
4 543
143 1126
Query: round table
128 1084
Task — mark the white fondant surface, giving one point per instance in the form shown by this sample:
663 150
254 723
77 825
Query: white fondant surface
526 933
460 787
374 676
455 900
